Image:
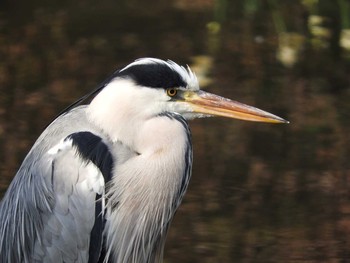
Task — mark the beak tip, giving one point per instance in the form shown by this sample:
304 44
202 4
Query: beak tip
284 121
281 120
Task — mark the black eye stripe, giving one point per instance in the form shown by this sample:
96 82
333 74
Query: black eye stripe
155 75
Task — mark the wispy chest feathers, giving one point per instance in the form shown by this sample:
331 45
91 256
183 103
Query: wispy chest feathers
148 190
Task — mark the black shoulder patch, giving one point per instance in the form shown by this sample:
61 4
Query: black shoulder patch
92 148
154 75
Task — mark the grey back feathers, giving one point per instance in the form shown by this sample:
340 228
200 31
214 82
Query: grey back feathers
51 201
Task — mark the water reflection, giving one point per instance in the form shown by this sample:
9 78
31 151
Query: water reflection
259 193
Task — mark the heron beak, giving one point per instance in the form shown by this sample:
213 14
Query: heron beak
213 105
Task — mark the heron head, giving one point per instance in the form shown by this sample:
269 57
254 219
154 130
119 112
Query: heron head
150 87
161 86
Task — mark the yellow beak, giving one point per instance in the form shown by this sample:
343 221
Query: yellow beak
210 104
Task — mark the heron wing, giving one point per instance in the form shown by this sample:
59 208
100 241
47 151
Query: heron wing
34 221
79 167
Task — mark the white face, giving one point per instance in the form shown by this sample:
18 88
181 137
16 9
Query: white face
124 97
122 106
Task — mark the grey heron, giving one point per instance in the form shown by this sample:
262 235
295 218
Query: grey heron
104 179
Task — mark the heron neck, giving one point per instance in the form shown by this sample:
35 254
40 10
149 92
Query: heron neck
121 111
149 187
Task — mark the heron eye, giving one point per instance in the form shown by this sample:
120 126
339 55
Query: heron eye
171 92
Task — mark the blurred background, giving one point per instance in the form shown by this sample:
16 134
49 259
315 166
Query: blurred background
259 192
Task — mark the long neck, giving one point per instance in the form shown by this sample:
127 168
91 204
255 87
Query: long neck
121 110
147 189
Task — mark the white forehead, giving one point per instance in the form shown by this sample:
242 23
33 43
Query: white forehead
186 73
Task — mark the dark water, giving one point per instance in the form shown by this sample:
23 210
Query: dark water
259 192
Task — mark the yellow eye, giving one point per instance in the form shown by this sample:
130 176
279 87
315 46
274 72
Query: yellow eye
171 92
